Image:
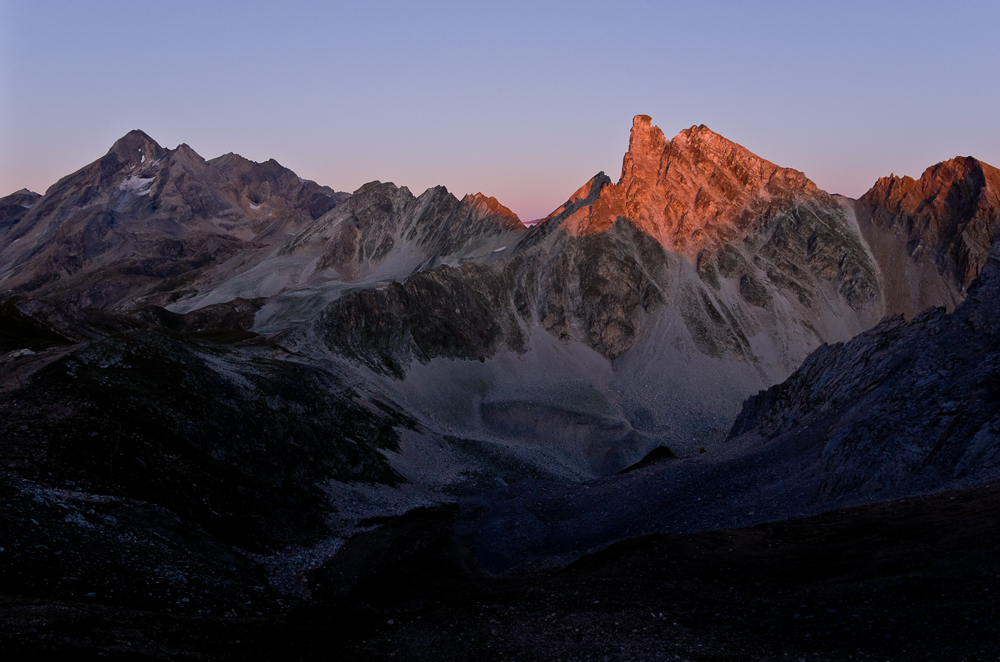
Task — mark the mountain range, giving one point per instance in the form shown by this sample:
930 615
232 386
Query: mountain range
219 365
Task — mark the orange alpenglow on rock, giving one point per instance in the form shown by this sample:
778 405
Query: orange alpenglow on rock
688 192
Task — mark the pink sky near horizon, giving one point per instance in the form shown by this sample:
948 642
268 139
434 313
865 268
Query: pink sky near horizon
523 102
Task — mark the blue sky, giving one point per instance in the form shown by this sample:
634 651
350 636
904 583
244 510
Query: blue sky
522 101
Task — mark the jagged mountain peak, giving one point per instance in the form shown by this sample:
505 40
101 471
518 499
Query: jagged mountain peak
941 178
14 207
645 138
377 185
136 147
932 235
186 155
232 163
487 204
688 193
140 215
585 195
24 192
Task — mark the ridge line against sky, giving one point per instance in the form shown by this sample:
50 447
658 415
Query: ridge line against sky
521 101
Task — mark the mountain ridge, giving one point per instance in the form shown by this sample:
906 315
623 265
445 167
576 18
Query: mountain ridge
705 274
226 390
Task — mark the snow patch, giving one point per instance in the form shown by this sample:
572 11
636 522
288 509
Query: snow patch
253 206
135 185
499 249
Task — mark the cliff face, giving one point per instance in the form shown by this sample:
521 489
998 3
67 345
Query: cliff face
931 236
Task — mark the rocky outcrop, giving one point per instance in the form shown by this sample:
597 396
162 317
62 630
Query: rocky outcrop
14 207
931 236
455 313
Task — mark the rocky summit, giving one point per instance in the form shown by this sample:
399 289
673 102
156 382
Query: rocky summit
144 224
236 401
695 191
931 236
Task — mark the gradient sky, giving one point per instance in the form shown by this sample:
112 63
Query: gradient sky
523 101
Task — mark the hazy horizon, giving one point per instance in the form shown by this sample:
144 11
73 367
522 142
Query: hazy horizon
523 102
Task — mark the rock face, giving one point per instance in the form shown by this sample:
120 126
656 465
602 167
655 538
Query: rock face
695 191
931 236
146 224
455 313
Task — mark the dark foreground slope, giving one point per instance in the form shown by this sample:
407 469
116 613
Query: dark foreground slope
905 580
167 468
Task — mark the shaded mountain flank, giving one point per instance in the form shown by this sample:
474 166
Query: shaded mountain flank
243 414
900 410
